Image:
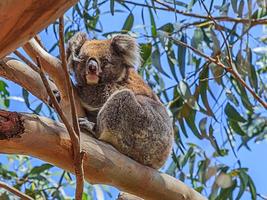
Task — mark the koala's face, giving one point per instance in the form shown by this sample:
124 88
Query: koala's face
102 61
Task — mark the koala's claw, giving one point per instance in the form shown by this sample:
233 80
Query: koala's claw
87 126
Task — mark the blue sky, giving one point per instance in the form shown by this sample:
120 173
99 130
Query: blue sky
254 160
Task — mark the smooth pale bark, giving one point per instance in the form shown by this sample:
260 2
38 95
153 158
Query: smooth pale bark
26 77
49 141
21 20
51 64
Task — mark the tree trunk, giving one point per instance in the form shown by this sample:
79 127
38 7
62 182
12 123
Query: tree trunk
21 20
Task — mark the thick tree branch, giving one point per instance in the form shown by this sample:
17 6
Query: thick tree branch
21 21
26 77
51 64
31 134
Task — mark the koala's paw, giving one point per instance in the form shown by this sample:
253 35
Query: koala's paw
58 98
87 126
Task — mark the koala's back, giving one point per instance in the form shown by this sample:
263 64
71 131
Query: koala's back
136 123
138 86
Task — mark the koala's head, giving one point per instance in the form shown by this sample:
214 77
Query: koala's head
101 61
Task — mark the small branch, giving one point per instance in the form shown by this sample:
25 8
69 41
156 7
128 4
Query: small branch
253 22
228 69
77 156
223 36
15 191
79 167
67 77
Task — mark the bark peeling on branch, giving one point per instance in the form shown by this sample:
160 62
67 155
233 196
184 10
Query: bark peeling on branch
11 125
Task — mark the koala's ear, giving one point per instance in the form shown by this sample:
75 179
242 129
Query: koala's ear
74 45
126 47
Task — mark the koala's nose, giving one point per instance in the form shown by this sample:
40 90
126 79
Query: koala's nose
92 65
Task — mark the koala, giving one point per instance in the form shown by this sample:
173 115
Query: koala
121 108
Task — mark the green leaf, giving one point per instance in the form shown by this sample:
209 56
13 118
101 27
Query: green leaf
190 120
182 56
252 72
172 62
153 24
217 73
231 97
237 129
252 188
168 28
41 168
232 113
216 43
197 38
146 50
191 4
178 3
25 95
202 126
234 5
243 93
128 24
111 5
38 109
241 8
243 183
182 126
186 157
156 61
204 74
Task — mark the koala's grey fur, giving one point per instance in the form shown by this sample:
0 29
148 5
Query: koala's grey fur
127 113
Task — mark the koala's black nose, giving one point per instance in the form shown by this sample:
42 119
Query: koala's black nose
92 65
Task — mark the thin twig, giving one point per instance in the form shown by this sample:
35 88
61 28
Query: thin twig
15 191
67 77
77 156
27 61
228 69
212 78
253 22
79 173
223 36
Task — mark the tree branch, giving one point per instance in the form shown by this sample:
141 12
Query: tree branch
28 18
14 191
51 64
26 77
31 134
253 22
228 69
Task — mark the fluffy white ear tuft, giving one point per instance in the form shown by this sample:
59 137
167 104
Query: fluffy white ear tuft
126 47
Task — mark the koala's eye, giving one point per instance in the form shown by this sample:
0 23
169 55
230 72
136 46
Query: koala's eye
105 62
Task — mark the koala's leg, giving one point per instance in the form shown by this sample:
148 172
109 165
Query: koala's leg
137 126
